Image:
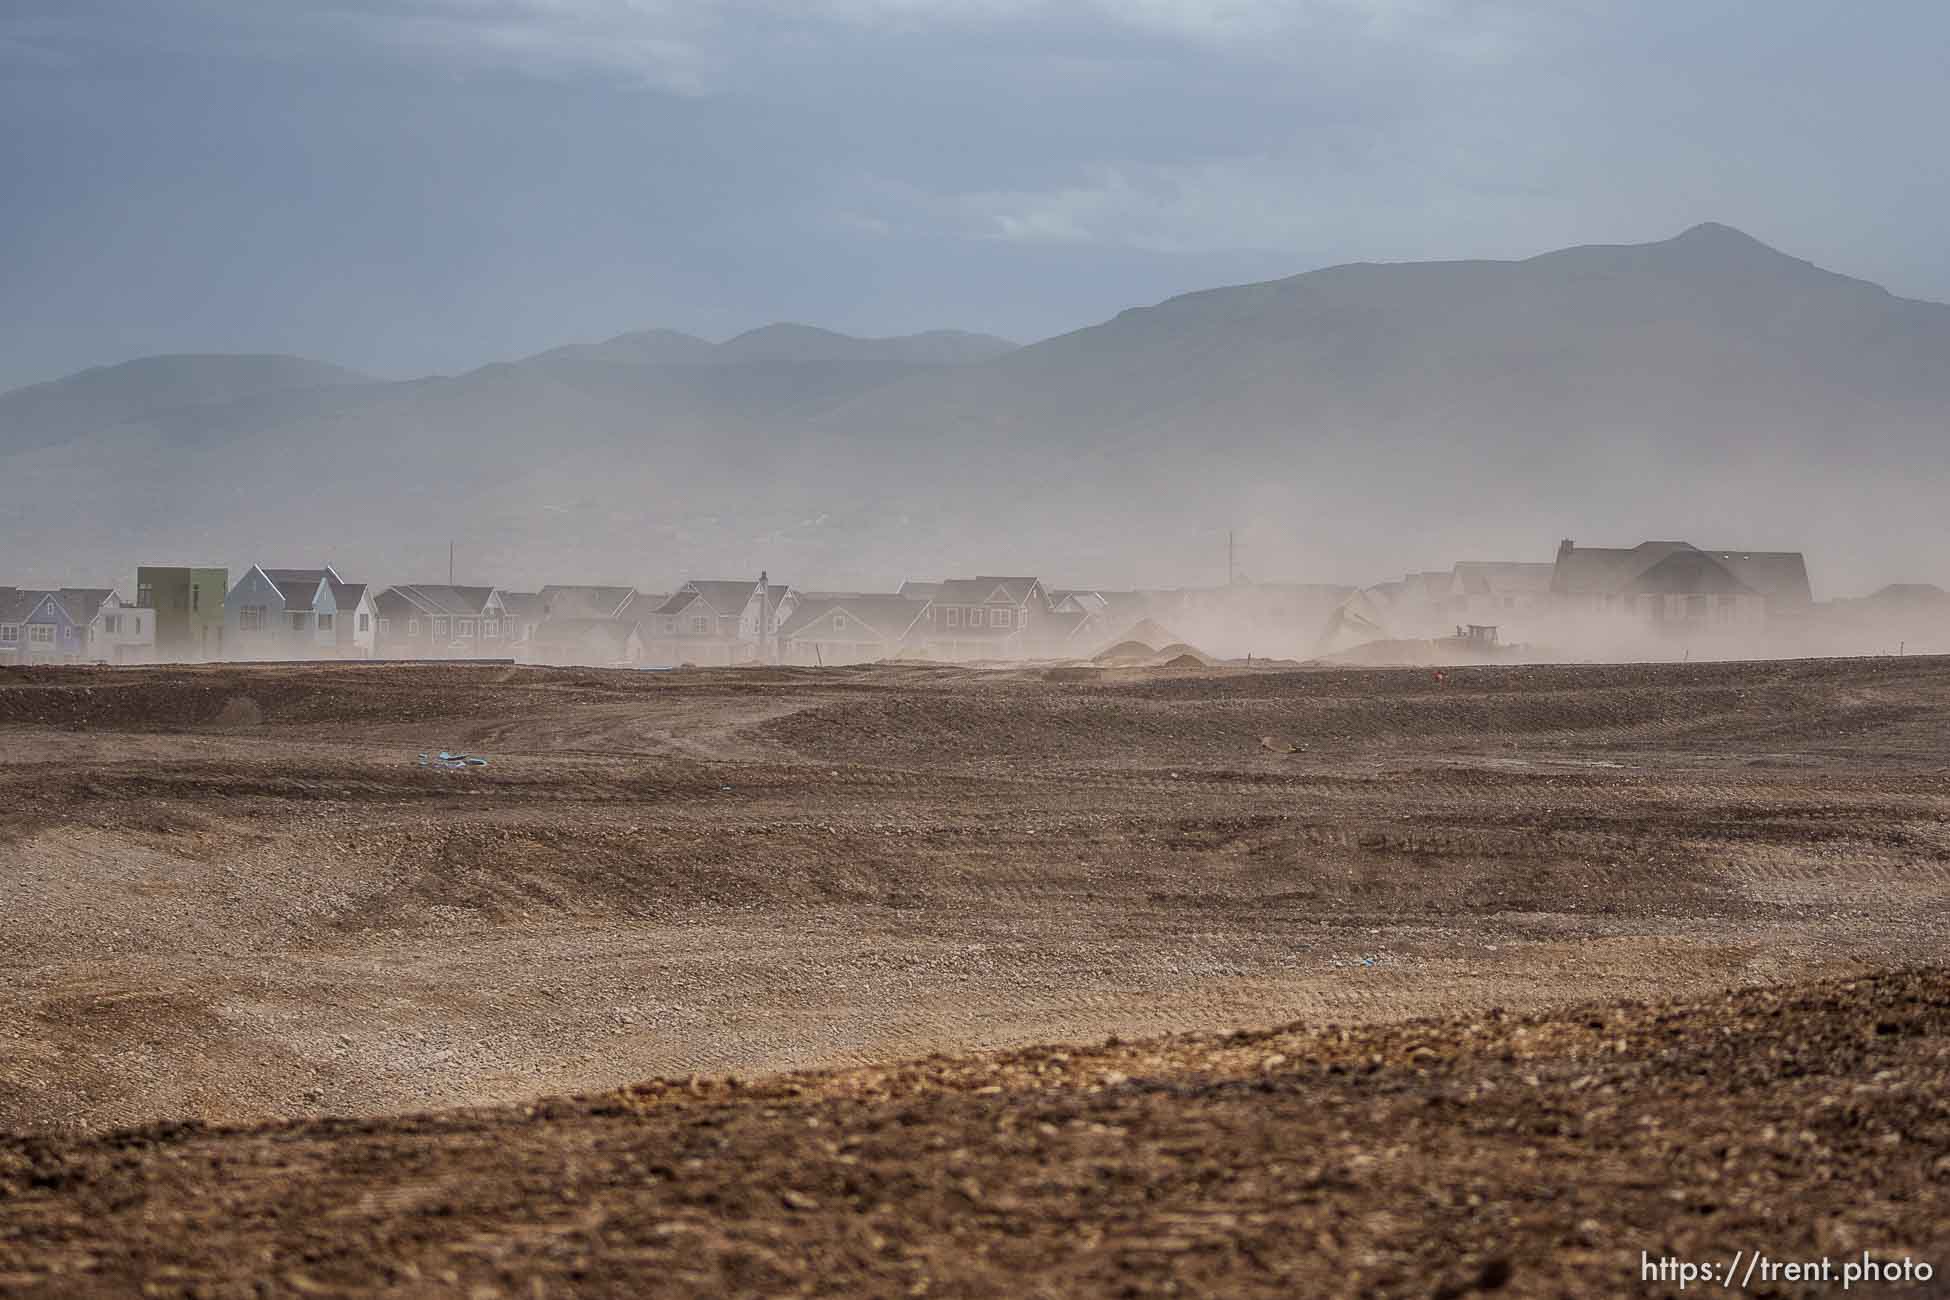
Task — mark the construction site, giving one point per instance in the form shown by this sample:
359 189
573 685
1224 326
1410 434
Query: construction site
1153 979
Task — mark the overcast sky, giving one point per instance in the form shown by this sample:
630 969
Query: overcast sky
407 186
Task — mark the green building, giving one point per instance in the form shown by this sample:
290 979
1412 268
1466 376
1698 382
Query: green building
189 611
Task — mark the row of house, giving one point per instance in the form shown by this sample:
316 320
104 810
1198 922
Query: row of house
188 614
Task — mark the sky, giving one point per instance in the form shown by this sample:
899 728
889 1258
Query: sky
423 186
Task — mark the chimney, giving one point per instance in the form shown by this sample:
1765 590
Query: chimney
1565 547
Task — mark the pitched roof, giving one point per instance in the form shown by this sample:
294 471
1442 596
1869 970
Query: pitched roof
347 594
723 597
82 603
1777 575
1680 568
466 602
985 590
1603 570
889 617
299 587
920 590
17 603
562 600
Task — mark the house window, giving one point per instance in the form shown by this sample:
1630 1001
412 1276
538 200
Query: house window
40 634
365 622
464 628
196 597
250 618
145 596
491 627
954 616
839 622
670 625
298 622
701 625
412 627
440 629
385 626
1002 617
9 633
112 624
325 622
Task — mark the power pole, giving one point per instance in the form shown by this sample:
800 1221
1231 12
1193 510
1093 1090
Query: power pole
1232 567
450 564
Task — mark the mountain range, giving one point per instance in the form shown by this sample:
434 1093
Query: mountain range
1348 422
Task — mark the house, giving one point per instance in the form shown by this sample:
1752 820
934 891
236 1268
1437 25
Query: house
189 610
36 628
347 619
1675 586
984 618
274 614
719 623
426 621
20 644
840 629
587 642
112 632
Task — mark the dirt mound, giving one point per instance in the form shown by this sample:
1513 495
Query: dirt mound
1186 660
1539 1155
1134 652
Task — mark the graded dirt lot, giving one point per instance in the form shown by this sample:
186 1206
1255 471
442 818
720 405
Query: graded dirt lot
230 895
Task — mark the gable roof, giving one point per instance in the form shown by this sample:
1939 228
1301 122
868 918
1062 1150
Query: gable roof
986 590
920 590
1604 570
82 603
564 600
1780 576
347 594
17 604
463 602
299 587
890 617
723 597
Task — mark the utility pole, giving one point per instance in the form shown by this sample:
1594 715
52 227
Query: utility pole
450 564
1232 567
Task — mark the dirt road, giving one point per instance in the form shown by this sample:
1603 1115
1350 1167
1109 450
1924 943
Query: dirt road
230 893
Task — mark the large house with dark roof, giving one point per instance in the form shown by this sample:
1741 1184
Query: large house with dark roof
1677 586
715 623
433 621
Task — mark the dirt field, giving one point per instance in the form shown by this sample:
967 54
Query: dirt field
231 895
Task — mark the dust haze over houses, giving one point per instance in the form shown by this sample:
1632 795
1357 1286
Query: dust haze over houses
974 647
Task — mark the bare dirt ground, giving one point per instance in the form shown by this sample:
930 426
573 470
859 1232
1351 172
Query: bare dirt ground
229 895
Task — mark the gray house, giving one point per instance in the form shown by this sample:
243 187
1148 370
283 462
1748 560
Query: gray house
274 614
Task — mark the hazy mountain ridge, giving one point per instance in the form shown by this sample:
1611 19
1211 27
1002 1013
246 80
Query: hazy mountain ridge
1401 413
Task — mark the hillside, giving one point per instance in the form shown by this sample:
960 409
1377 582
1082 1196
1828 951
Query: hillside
1352 421
154 387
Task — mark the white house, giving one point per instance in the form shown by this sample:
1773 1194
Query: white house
120 633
